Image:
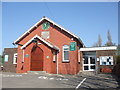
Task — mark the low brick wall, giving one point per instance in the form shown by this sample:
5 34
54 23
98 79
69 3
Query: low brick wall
116 69
106 70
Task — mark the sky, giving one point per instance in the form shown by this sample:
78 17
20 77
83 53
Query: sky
85 19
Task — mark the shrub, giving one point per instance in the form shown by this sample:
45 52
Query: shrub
117 59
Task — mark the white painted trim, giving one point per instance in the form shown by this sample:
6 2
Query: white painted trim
98 48
14 57
54 56
28 31
63 60
36 36
61 27
39 43
89 63
57 63
64 29
23 55
27 43
35 25
79 56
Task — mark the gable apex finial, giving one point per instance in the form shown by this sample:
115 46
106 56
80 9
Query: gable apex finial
44 16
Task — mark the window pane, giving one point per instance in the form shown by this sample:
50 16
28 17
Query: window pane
6 58
107 59
92 67
92 60
86 60
66 48
104 63
86 68
66 55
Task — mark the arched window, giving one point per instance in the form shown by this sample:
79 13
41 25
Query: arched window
66 53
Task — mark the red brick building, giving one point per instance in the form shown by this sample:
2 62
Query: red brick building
10 59
98 59
48 47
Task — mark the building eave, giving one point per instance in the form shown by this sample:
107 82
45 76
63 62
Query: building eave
36 25
99 48
38 37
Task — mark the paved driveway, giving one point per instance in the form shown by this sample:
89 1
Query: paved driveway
43 80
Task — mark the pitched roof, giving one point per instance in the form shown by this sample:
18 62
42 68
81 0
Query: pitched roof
45 18
38 37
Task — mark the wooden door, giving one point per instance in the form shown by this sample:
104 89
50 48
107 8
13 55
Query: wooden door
36 59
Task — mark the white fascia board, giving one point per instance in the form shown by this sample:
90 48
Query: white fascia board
61 27
35 25
44 41
64 29
36 36
27 43
98 48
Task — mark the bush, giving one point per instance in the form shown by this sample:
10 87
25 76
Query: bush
117 59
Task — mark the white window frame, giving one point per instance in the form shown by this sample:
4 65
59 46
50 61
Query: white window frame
89 65
65 46
112 62
6 57
14 58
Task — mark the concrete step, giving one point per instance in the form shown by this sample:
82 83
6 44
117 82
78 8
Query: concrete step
37 72
88 73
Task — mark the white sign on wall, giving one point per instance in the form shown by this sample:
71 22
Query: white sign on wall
98 59
106 60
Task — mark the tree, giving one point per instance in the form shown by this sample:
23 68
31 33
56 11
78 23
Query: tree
109 42
95 44
118 55
99 41
1 59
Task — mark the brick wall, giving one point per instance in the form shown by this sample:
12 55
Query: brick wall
105 68
59 38
9 66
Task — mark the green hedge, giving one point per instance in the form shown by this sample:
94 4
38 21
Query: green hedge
1 59
117 59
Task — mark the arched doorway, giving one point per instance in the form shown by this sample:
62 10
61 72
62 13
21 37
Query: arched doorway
36 59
